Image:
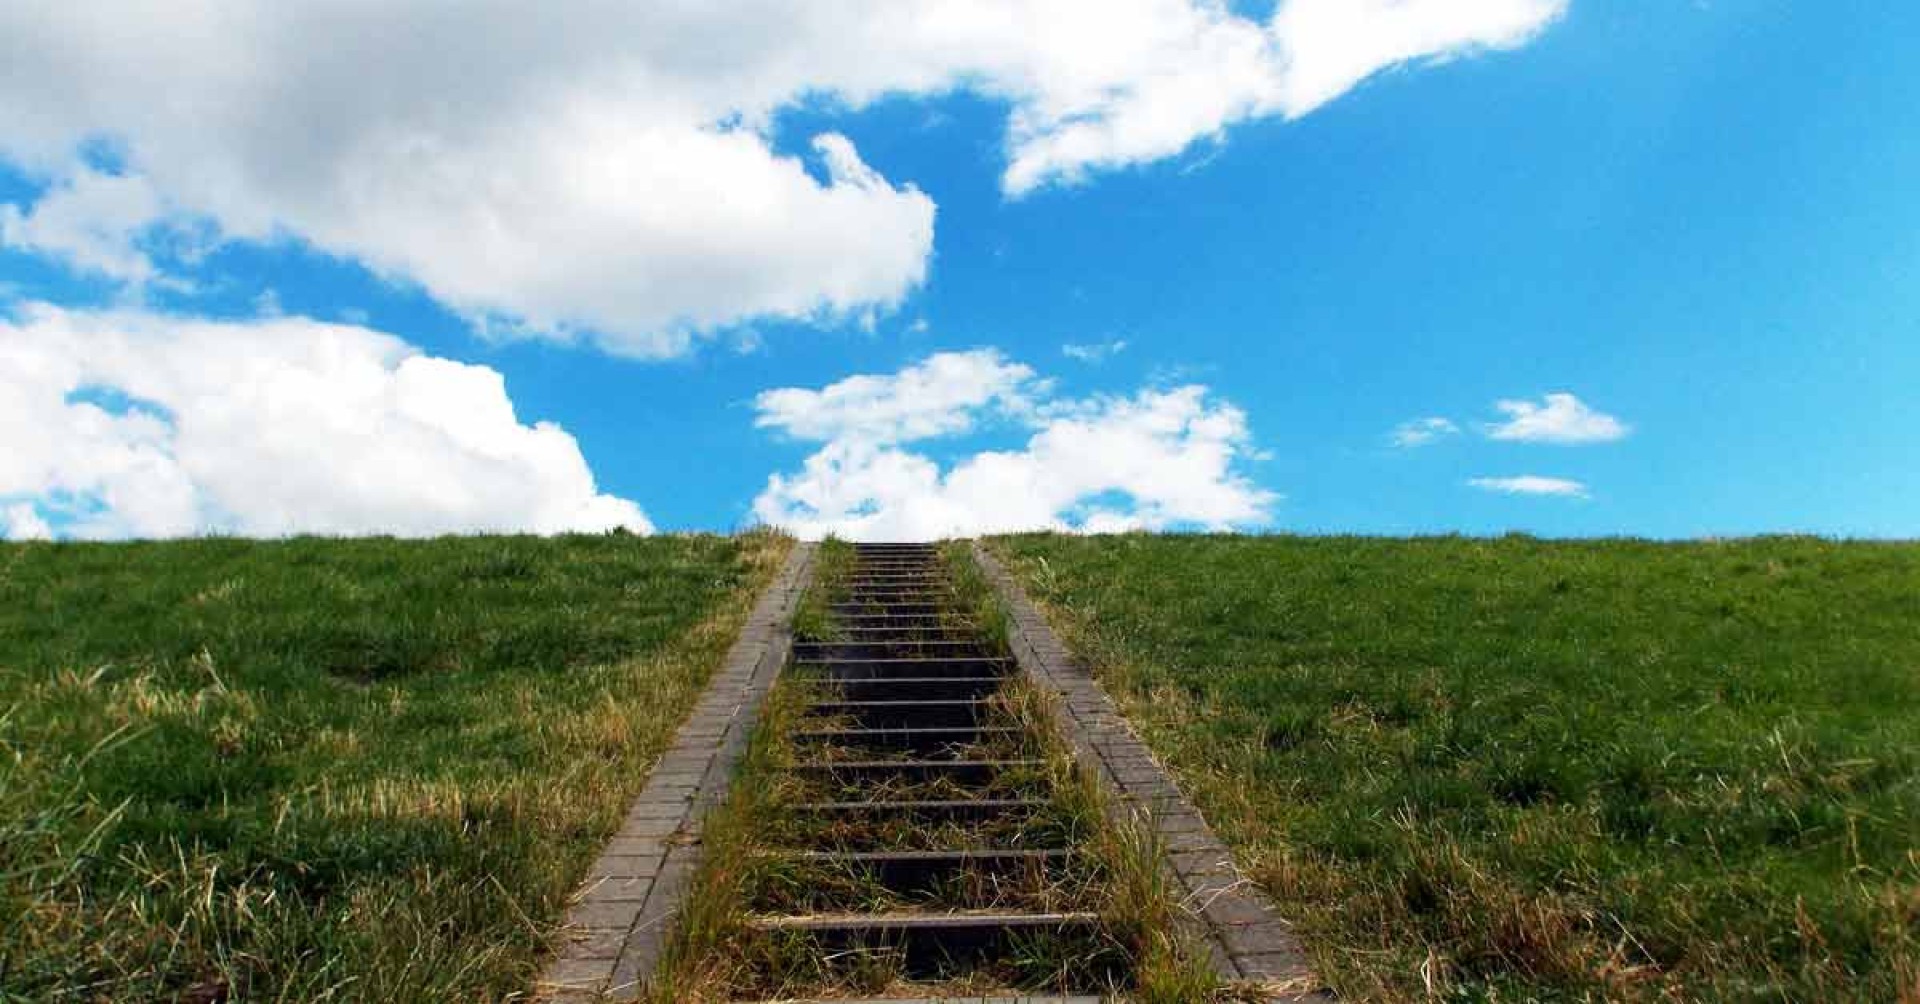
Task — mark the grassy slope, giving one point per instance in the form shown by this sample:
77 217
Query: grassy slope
1516 769
322 769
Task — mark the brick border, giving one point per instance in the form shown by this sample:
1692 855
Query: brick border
1248 939
622 912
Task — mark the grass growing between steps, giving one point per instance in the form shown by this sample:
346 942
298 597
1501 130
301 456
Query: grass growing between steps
833 561
1518 769
331 769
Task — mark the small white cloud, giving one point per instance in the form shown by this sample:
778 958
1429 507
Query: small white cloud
21 521
1561 419
1094 352
134 424
1422 431
1154 460
1532 484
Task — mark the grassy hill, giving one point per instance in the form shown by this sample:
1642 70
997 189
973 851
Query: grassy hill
325 769
1515 769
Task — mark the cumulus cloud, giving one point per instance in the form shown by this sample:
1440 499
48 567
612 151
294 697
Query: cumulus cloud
133 424
1532 484
1422 431
607 172
1152 460
941 395
1560 419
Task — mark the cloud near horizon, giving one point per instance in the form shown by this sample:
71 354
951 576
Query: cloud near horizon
1153 460
133 424
607 174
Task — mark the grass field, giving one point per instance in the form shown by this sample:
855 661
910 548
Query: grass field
320 770
1513 769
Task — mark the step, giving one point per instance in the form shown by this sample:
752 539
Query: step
994 997
906 740
937 810
888 608
896 633
857 621
906 714
935 945
916 688
898 667
881 771
902 648
912 873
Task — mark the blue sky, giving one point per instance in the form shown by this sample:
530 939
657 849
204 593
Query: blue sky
1698 220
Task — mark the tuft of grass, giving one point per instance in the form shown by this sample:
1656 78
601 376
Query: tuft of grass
1521 769
331 769
813 620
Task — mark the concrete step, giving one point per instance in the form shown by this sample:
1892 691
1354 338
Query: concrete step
888 608
903 667
972 810
933 945
906 714
889 648
962 878
884 771
906 740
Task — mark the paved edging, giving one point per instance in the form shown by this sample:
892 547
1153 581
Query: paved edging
1250 942
622 912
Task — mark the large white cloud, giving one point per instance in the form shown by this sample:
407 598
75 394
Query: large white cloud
604 170
128 423
1152 460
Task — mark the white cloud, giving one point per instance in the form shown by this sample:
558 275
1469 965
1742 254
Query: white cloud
1561 419
1094 352
1532 484
136 424
939 396
606 171
21 521
1422 431
1156 459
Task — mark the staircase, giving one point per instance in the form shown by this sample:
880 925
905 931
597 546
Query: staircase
922 851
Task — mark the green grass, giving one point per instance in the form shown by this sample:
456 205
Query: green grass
318 770
1513 769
